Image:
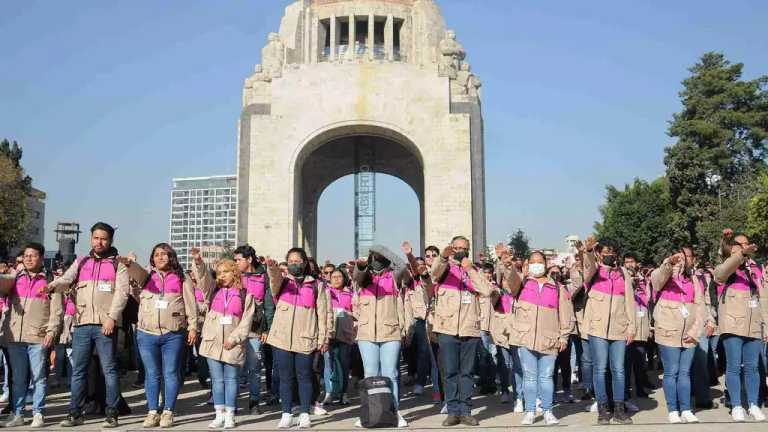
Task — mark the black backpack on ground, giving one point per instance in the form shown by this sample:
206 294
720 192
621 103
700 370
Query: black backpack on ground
377 404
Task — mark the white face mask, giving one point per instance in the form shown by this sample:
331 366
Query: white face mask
537 269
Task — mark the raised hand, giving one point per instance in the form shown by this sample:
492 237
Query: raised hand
466 264
407 248
590 244
194 253
270 262
447 251
749 249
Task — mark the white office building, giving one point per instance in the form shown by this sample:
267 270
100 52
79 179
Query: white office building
203 214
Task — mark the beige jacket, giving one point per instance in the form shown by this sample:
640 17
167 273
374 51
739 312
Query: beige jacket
215 330
486 309
416 300
539 328
579 299
378 307
95 299
458 313
671 326
608 316
303 322
32 315
500 325
736 316
179 311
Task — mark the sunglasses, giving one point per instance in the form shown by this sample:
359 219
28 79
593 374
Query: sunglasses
431 255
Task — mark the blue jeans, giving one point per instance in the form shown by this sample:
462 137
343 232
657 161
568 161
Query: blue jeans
223 383
328 373
677 376
538 371
63 364
457 358
161 356
382 359
510 370
253 362
341 355
28 359
84 339
603 351
700 376
487 361
742 350
421 344
6 367
298 366
586 370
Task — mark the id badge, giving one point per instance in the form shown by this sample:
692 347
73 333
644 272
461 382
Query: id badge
753 302
640 313
466 298
161 304
340 313
226 320
105 287
684 311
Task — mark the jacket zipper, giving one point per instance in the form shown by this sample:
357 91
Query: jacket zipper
95 287
24 306
461 300
375 312
610 304
162 297
293 314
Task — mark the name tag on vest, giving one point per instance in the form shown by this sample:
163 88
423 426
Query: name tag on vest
105 287
753 303
161 304
684 311
226 320
466 297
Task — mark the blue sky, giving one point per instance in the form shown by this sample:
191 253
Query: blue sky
110 100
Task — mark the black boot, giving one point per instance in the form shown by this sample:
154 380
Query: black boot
603 414
620 414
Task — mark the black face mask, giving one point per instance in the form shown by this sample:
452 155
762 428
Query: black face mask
609 260
460 255
379 264
296 270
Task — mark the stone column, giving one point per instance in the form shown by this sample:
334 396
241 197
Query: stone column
351 47
389 38
371 35
332 54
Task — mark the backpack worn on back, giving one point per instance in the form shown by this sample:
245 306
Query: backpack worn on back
377 403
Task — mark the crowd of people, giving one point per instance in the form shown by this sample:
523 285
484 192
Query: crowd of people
517 327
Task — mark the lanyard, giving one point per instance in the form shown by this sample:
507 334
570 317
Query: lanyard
227 300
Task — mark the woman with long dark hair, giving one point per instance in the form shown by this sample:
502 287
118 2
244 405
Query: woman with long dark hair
167 320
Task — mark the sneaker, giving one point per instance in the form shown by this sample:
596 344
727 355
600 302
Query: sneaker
109 422
401 423
688 417
444 410
318 410
550 419
528 419
574 378
72 420
592 408
519 407
468 420
229 419
358 423
451 420
738 414
674 417
152 420
4 397
631 407
15 421
218 421
304 421
620 414
328 398
166 420
505 398
286 421
418 390
756 413
38 421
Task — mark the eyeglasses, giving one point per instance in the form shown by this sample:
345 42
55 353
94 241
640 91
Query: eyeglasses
327 272
431 255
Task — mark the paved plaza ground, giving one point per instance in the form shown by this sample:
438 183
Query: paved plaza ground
421 413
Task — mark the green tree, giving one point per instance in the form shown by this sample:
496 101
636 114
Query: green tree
757 214
721 134
15 188
640 219
520 244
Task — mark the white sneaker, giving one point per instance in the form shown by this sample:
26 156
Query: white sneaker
304 421
505 398
229 420
401 423
528 419
674 417
38 421
15 421
519 406
286 421
756 413
218 421
538 406
358 423
550 419
631 407
418 390
689 417
444 410
738 414
4 397
328 398
592 408
574 378
318 410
